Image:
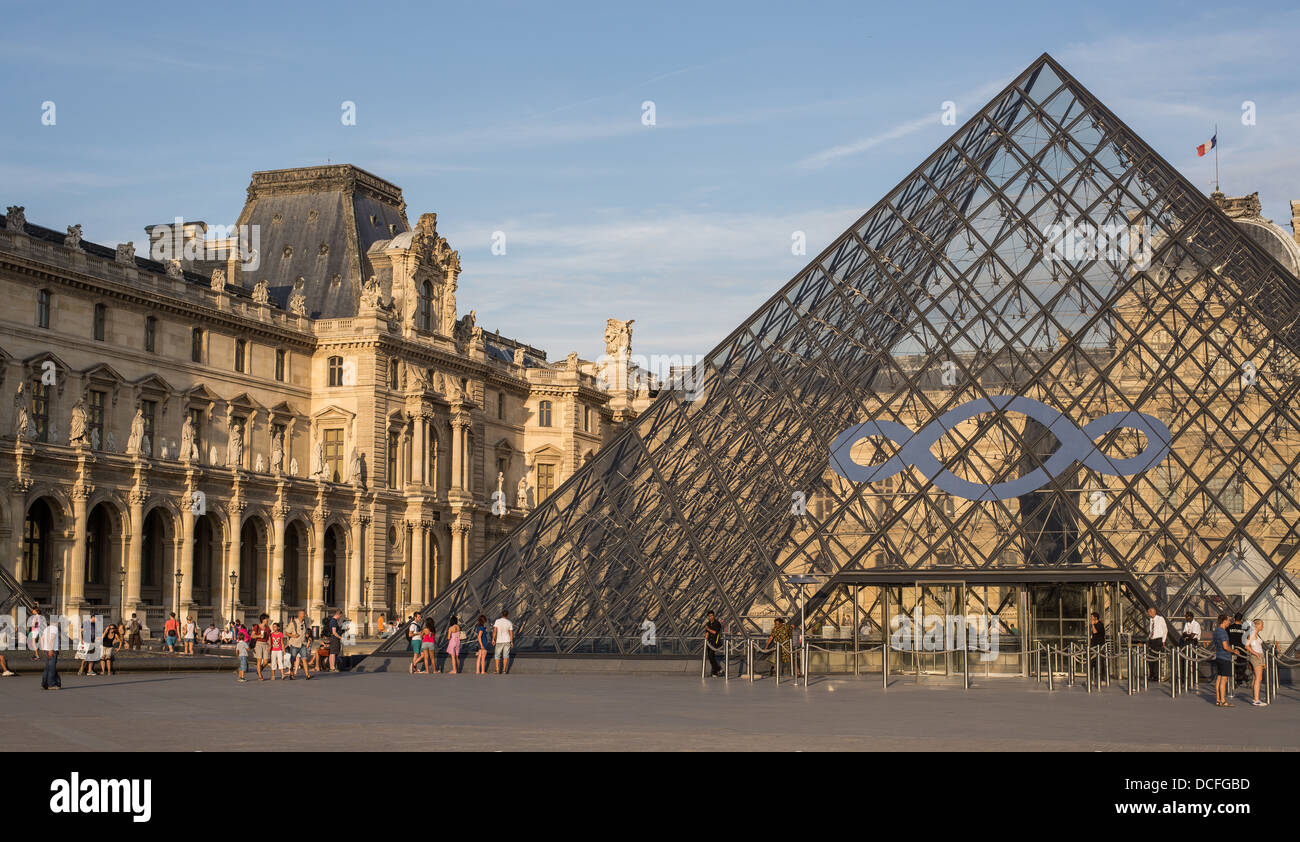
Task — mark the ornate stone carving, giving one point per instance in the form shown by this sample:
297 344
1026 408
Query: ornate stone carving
77 426
23 426
618 336
136 438
523 493
293 467
187 439
110 443
259 464
218 282
371 294
94 439
15 219
125 254
73 239
298 298
318 470
355 473
262 292
235 453
277 453
212 455
571 361
519 357
175 270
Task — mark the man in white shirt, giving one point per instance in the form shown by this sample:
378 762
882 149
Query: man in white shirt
1157 631
503 637
1191 630
50 646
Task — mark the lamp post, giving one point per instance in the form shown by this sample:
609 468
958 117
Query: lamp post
176 603
403 595
121 589
365 601
325 591
282 597
58 595
234 580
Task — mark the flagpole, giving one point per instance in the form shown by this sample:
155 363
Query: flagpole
1216 157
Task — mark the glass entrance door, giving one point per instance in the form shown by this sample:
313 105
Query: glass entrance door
927 628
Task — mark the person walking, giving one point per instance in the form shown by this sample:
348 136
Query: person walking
260 636
782 636
1222 663
133 631
189 633
300 644
503 638
1191 631
50 646
713 643
483 637
171 632
88 650
453 644
1157 631
279 658
428 656
1097 640
34 627
335 639
1255 654
417 643
241 649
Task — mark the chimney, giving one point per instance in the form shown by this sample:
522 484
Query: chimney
177 240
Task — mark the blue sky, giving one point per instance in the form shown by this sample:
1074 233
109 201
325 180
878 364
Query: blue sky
526 119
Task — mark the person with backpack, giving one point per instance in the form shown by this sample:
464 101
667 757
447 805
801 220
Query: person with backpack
417 643
299 644
713 643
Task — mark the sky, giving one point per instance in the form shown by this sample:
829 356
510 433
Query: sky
530 120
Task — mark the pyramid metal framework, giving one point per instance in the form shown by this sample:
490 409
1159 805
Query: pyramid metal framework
1160 364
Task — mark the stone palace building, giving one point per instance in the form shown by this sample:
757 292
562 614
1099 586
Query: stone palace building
291 414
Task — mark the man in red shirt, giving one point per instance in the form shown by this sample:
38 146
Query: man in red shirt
171 631
260 637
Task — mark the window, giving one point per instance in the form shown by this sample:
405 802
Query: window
150 334
334 455
41 409
101 318
394 444
586 419
36 543
501 405
43 309
97 548
425 315
335 371
196 345
280 357
544 414
95 416
545 480
501 464
394 374
150 410
241 355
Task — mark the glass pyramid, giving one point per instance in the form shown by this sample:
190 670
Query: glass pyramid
1044 351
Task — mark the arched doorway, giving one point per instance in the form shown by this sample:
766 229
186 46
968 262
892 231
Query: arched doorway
333 566
155 563
38 551
206 561
99 542
251 546
295 567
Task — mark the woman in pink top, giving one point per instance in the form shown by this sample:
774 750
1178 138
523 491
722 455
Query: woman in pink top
453 643
427 655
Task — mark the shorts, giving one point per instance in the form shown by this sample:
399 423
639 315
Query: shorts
1256 660
243 663
416 643
171 640
262 651
1223 667
503 652
335 645
279 659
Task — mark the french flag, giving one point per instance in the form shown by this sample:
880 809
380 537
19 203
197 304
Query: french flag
1206 147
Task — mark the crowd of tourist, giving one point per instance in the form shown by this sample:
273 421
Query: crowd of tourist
498 639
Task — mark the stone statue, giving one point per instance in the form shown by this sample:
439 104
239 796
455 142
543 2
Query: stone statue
320 459
73 240
111 444
187 439
571 361
293 467
618 336
22 417
371 293
262 291
125 254
277 453
136 439
235 453
212 455
298 299
218 282
416 378
354 468
77 428
519 357
175 270
146 446
94 439
15 219
521 493
259 464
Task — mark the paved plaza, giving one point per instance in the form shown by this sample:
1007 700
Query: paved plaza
393 711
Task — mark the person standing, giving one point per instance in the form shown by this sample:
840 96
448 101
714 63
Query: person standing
1191 631
299 644
241 649
483 637
1222 663
133 630
713 643
89 649
335 639
260 636
417 643
782 636
453 644
1237 637
1157 631
50 646
503 638
1097 640
112 639
34 627
279 660
171 632
428 656
190 632
1255 654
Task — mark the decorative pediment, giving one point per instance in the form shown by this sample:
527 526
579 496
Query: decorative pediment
103 376
47 365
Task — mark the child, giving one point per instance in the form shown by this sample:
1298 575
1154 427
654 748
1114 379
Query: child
241 649
278 659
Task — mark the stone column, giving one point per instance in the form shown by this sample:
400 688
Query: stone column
74 576
418 559
356 562
232 557
457 453
316 584
275 606
186 551
419 453
135 553
460 528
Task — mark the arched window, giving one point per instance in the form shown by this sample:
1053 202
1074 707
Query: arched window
37 531
97 547
426 307
544 414
336 371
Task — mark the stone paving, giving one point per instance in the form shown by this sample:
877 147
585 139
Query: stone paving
393 711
